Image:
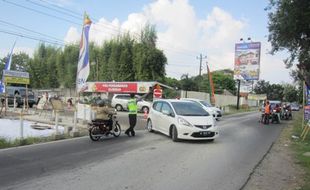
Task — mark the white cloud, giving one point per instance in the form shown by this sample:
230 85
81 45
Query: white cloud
17 49
72 36
183 36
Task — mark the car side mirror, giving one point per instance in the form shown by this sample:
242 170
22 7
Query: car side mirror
171 114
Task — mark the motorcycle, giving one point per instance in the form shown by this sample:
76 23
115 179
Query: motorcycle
287 114
275 116
103 128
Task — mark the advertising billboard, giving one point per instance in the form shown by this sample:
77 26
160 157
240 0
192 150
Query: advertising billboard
247 61
16 77
119 87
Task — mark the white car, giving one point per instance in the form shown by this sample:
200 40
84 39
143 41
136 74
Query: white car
120 101
181 119
216 112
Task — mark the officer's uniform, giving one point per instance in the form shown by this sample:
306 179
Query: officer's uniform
132 108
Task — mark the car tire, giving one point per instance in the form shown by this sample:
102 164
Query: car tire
149 126
119 107
174 134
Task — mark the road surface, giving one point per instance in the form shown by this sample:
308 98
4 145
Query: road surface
148 161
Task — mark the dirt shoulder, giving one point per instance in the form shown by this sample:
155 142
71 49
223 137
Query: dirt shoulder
279 169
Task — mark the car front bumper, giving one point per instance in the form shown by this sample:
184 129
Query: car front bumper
194 133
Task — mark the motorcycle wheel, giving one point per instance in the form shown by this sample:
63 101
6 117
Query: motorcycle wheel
116 130
93 132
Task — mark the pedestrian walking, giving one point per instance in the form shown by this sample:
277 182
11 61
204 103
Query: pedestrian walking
132 108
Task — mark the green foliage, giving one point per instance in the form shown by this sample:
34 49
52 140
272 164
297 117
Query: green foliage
290 93
275 92
289 29
261 87
282 92
119 59
222 80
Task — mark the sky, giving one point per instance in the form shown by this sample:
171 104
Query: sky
185 29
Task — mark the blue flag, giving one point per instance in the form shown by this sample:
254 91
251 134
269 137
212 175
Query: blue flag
6 67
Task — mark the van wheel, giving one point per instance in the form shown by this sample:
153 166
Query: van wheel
145 109
174 134
119 107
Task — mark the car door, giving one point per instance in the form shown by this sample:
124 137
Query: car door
166 118
155 115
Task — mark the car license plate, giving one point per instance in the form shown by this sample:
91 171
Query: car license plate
205 133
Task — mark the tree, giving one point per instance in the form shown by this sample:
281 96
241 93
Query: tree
275 92
223 82
289 22
290 93
188 83
149 62
261 87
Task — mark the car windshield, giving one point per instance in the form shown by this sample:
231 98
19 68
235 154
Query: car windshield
205 103
189 109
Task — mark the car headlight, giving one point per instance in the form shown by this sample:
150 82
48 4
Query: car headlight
184 122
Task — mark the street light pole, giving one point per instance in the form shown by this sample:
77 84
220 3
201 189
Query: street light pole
238 94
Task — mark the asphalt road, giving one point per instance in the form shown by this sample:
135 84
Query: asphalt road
148 161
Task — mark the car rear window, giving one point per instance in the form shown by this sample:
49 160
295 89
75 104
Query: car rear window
189 109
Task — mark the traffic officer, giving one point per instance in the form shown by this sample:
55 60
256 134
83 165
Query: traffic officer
132 108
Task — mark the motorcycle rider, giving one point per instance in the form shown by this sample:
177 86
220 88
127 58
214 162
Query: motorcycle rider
103 111
267 113
276 113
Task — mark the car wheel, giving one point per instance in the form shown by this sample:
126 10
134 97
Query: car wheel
149 126
174 134
119 107
145 109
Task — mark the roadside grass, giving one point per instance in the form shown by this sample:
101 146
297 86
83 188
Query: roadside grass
300 147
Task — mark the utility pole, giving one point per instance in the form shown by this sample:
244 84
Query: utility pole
200 57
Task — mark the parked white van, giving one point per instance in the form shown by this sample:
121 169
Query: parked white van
120 101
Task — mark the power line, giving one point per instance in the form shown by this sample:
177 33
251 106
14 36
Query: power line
40 12
34 10
38 4
30 37
59 7
29 30
112 27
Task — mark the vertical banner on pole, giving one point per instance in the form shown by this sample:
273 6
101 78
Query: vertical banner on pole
306 112
307 104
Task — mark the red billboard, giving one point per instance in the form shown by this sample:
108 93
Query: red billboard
115 87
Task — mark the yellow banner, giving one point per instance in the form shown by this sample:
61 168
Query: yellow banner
16 80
